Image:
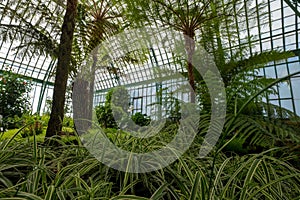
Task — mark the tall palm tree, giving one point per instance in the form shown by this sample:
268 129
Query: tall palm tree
62 69
97 20
185 16
92 24
40 37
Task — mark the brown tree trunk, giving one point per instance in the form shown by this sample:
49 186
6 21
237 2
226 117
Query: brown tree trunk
80 104
83 99
92 81
62 70
190 50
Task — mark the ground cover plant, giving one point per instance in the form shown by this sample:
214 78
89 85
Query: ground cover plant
33 170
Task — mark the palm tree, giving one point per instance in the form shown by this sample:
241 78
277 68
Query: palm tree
39 36
97 20
62 70
184 16
90 26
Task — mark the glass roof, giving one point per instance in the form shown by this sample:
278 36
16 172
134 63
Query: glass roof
277 27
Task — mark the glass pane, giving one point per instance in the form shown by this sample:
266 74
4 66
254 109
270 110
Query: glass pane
296 87
287 104
284 90
281 71
270 72
297 104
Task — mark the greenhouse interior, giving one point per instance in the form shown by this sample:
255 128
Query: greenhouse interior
150 99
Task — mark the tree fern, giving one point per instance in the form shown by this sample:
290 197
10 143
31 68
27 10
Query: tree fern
37 35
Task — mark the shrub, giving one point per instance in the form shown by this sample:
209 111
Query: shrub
35 128
141 119
14 99
105 116
68 122
118 99
34 124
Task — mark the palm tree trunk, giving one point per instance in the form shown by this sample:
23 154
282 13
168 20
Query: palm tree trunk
92 82
190 50
83 101
62 70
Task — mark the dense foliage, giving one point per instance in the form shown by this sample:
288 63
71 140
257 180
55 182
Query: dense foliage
31 170
116 108
117 97
141 119
105 116
14 96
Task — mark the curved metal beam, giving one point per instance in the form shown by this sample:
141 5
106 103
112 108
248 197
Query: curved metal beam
293 4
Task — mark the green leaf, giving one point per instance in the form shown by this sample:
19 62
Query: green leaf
159 193
195 187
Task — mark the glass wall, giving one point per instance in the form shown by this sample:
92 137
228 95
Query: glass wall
277 27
